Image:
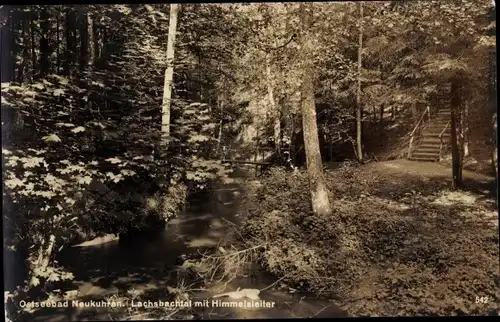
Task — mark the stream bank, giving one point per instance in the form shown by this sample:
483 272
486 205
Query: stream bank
151 269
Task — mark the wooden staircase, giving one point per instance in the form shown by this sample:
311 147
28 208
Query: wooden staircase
430 138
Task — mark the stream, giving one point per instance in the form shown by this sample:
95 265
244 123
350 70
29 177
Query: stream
149 265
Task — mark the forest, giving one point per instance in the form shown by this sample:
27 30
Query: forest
326 158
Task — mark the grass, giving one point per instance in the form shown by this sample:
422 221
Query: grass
399 242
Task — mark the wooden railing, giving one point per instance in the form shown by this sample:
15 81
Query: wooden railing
441 140
418 127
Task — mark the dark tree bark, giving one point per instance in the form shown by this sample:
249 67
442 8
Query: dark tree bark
6 43
23 66
455 149
84 41
97 44
45 50
58 42
70 50
33 46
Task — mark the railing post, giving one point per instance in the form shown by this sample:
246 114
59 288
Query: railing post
440 148
409 147
429 114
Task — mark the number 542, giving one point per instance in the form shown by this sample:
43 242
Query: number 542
482 299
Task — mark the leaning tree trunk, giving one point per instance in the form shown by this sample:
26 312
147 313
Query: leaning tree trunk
455 149
169 74
319 193
359 123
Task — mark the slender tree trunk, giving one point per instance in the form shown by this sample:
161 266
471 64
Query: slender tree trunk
169 73
90 41
455 149
272 105
70 49
14 29
23 66
90 49
221 124
33 48
84 41
465 130
97 44
359 122
44 66
492 89
58 44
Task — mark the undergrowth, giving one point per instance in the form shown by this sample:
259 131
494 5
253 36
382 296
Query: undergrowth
389 248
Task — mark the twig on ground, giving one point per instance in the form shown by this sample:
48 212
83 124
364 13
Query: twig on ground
271 285
324 308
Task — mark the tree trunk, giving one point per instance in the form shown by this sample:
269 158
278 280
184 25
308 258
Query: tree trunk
169 73
221 124
14 29
359 123
23 66
90 56
465 130
44 65
97 43
90 41
319 192
455 149
58 41
6 45
272 105
84 41
70 49
492 89
33 48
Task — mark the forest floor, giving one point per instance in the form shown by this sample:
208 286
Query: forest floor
399 241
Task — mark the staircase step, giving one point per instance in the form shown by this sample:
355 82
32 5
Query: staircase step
438 124
433 150
436 134
423 159
430 145
434 126
435 140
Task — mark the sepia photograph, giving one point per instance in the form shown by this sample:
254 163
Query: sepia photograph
249 160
